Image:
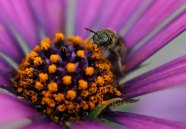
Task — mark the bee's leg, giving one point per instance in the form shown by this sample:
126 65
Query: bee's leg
117 66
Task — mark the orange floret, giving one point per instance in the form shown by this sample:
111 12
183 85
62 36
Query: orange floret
83 85
89 71
71 95
45 44
70 67
67 80
80 53
52 68
54 58
58 37
100 81
52 87
43 77
38 61
39 86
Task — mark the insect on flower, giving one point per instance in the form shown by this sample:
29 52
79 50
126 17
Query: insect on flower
111 45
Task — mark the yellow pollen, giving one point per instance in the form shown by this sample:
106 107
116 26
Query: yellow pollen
89 71
61 107
45 44
39 86
58 37
80 53
77 39
71 95
33 55
70 67
37 48
59 97
52 87
100 81
82 85
43 77
67 80
54 58
84 93
52 68
38 61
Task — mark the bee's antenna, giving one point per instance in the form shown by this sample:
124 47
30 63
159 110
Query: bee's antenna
92 31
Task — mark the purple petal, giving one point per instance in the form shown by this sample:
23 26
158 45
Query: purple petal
169 75
44 124
136 121
157 42
86 14
100 14
9 45
89 125
12 109
49 15
152 17
17 15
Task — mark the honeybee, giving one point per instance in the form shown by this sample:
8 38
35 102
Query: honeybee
112 46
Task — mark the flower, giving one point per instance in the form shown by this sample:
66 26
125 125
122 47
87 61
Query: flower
23 24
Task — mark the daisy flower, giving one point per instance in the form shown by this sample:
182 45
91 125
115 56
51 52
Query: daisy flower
59 75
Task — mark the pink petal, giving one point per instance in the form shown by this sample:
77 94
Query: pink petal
152 17
18 16
9 45
103 14
168 67
86 15
12 109
157 42
49 15
89 125
135 121
44 124
166 76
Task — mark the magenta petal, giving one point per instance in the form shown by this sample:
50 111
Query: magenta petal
152 17
86 15
44 124
136 121
89 125
9 45
18 16
157 42
49 15
12 109
169 75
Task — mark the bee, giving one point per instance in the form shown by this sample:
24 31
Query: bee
112 46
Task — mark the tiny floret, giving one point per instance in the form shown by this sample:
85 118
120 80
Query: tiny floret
54 58
52 87
71 95
43 77
38 61
67 80
52 68
58 37
83 85
89 71
80 53
45 44
70 67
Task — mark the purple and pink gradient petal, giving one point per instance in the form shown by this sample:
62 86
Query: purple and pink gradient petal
155 15
135 121
50 16
157 42
13 17
166 76
44 124
89 125
12 108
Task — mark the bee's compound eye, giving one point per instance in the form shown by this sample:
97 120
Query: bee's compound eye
100 38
